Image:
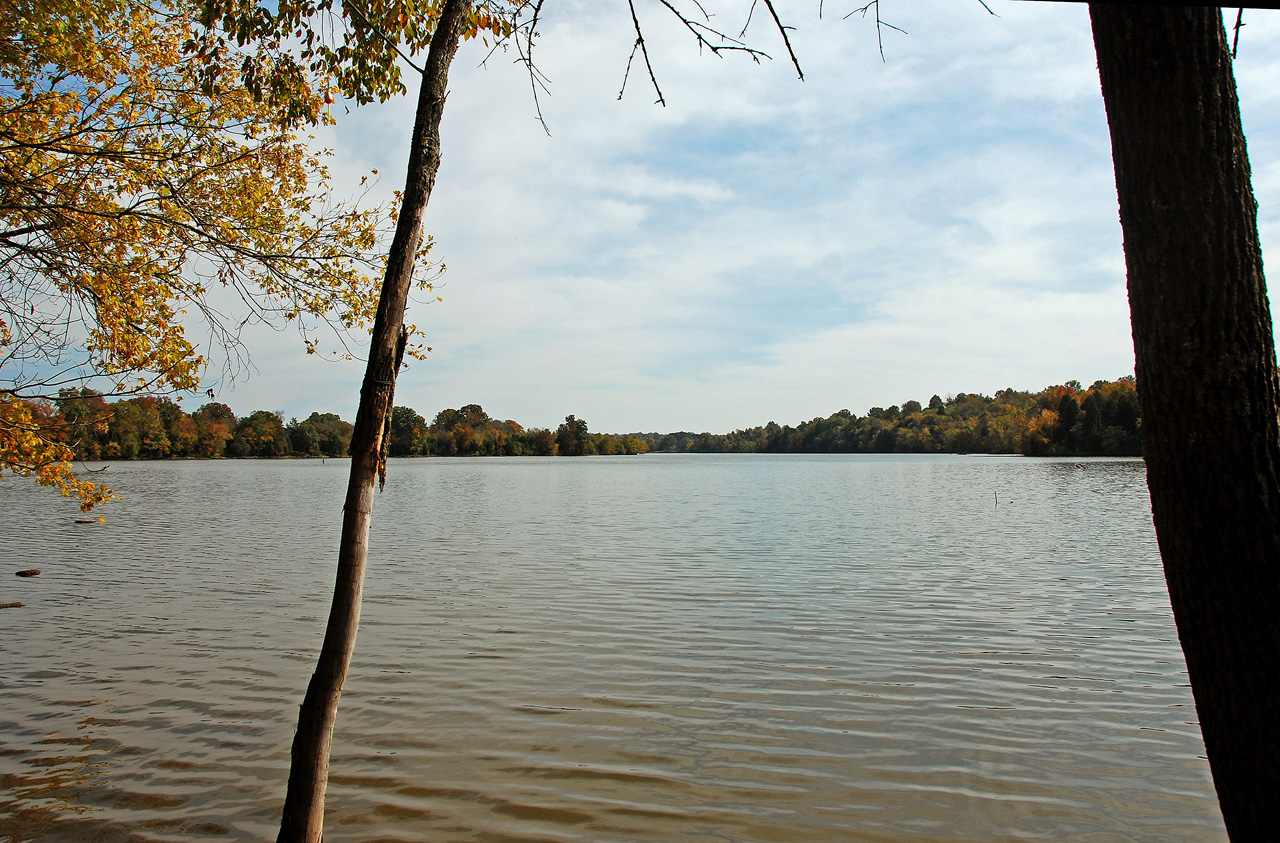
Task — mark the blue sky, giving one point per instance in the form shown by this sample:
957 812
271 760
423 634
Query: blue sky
764 248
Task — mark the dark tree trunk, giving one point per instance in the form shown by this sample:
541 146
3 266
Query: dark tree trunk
1206 370
302 821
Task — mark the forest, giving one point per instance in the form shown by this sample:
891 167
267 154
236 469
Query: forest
1061 420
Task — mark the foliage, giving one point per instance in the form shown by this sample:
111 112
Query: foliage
572 438
329 433
136 430
136 202
260 434
408 430
306 45
470 431
215 424
359 48
1105 422
1065 420
28 447
86 421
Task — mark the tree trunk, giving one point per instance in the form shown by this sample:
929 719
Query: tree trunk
1206 371
302 821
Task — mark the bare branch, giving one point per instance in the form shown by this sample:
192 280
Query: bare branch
536 78
645 52
879 23
701 32
751 12
786 40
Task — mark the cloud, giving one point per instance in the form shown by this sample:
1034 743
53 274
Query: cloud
764 248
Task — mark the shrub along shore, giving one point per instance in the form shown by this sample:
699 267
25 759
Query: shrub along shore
1062 420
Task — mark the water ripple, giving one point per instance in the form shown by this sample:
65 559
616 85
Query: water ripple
609 649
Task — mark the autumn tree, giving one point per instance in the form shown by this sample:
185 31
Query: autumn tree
544 442
463 441
260 434
335 433
214 426
303 438
179 427
137 203
325 434
632 445
86 418
408 430
572 438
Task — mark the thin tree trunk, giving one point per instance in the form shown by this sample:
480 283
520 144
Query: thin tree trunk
303 817
1207 382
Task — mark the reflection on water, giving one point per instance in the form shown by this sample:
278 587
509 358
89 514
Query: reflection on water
608 649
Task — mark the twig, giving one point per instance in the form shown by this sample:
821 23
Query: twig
1235 41
752 11
537 79
879 23
644 51
785 40
728 43
391 43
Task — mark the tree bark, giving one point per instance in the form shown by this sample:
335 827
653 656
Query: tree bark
303 817
1207 381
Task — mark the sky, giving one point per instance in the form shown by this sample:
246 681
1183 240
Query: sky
764 248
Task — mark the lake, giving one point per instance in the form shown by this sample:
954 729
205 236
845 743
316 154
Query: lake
666 647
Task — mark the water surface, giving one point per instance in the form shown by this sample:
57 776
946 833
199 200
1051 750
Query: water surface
667 647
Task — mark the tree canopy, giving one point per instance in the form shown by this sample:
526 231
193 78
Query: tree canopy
1061 420
138 204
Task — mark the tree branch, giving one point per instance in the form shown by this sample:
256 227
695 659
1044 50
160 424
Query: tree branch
785 39
644 51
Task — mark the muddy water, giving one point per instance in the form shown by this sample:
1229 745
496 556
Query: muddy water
607 649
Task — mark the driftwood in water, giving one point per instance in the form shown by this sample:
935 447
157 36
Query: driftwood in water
14 605
30 572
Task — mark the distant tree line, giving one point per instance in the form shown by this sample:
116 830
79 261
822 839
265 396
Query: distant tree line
469 431
149 427
1065 420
